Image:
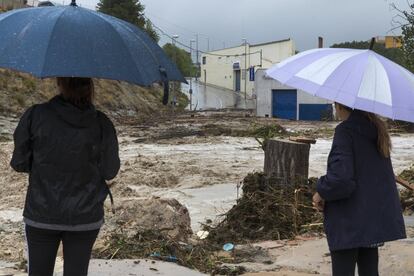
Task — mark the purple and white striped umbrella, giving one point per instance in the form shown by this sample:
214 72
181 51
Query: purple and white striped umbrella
359 79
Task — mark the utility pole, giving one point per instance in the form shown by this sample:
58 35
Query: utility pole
261 58
174 100
198 63
208 44
245 69
191 75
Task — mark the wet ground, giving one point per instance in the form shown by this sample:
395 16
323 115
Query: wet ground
202 173
209 170
209 97
118 268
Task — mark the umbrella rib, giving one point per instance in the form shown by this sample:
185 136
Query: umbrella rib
360 83
339 89
375 90
382 60
343 82
123 42
5 18
50 38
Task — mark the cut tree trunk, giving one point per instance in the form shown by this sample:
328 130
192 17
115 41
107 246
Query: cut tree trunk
286 162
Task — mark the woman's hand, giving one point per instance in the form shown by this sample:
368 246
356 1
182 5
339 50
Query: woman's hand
318 202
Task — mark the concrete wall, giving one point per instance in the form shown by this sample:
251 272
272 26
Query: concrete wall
219 71
263 90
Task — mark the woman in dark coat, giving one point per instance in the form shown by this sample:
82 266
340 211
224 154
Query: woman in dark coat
358 194
68 149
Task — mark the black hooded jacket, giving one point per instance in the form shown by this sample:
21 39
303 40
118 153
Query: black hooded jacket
68 153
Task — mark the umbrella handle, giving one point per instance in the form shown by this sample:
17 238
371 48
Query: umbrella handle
164 79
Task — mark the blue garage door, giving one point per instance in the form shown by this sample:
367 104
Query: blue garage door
284 104
315 112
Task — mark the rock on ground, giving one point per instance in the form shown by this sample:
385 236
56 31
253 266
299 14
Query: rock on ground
167 216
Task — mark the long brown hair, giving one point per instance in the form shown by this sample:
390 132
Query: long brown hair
78 91
384 144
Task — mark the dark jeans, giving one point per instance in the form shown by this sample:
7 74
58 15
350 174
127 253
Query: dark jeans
344 262
43 245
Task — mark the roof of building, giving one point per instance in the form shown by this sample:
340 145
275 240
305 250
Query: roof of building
271 42
253 45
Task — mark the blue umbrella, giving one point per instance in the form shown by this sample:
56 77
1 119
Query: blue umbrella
70 41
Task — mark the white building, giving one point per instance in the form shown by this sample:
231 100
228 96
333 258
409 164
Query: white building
234 68
276 100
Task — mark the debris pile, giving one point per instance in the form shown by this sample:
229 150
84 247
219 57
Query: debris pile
254 130
154 228
200 255
166 216
396 126
267 211
406 195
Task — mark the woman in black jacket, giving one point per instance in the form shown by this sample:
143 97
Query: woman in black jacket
69 150
358 194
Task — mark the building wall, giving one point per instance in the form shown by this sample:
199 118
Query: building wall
11 4
219 71
263 90
390 41
393 42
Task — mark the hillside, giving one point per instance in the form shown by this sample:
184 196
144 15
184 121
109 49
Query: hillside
19 91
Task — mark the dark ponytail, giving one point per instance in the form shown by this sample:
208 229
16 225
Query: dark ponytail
384 140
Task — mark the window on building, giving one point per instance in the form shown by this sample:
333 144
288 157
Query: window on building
204 60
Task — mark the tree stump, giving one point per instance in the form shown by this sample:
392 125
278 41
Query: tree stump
286 162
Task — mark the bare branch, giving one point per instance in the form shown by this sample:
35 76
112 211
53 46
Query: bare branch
395 8
410 5
399 16
396 28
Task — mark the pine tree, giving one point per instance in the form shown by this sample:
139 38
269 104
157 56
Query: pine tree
131 11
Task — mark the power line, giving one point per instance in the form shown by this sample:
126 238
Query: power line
176 25
188 47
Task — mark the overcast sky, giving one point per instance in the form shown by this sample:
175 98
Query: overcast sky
226 22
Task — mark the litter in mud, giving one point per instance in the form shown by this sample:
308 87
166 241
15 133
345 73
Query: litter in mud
201 256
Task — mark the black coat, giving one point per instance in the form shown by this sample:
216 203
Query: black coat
68 153
362 203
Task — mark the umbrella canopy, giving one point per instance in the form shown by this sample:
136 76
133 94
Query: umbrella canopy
70 41
359 79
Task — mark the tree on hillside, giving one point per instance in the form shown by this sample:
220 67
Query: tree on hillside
182 58
405 21
394 54
131 11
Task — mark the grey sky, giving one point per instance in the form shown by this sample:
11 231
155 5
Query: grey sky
226 22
